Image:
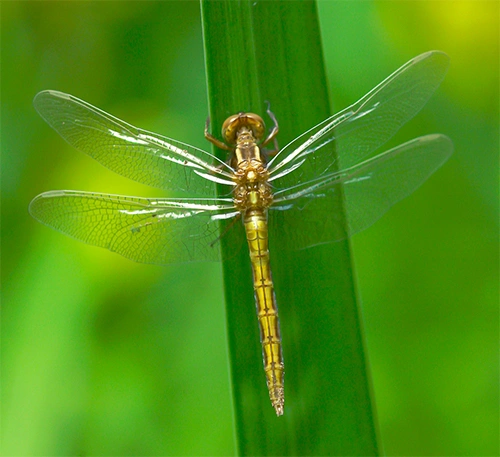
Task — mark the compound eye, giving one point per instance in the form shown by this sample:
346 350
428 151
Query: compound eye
230 128
257 125
234 123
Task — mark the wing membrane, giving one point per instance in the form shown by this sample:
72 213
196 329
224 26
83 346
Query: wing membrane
142 229
347 138
143 156
322 174
363 193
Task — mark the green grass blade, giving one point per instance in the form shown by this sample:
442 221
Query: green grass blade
258 51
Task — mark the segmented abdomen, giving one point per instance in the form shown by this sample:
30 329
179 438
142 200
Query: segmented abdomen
255 222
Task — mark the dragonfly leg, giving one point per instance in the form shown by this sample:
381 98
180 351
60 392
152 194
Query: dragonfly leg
218 143
274 131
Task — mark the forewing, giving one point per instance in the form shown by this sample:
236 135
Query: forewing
358 196
350 136
142 229
137 154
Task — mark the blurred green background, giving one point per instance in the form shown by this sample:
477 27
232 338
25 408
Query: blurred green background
102 356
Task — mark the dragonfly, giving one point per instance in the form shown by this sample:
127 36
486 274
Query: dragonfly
337 157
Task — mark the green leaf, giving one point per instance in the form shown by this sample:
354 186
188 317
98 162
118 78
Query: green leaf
258 51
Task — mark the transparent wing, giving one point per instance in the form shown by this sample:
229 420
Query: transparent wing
350 136
143 156
141 229
363 192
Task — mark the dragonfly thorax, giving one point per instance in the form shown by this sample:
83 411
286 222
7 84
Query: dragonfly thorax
252 190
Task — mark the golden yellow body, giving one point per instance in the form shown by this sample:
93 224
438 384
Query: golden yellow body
267 309
252 197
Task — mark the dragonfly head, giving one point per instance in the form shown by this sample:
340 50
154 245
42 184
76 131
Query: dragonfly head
233 125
